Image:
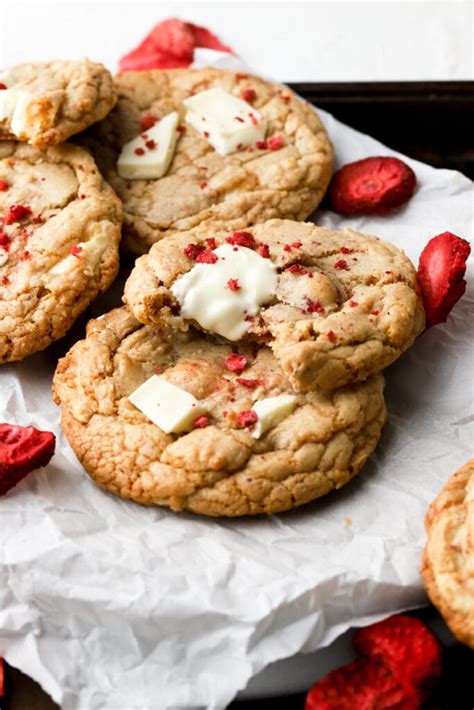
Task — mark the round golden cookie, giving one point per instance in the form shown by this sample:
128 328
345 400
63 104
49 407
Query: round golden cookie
54 100
201 187
59 235
219 468
346 304
448 560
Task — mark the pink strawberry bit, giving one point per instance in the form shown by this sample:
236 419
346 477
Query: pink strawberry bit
206 257
4 185
5 241
38 219
249 94
233 285
203 185
298 268
238 118
17 213
3 86
206 134
293 245
239 76
236 363
341 264
75 250
26 255
247 418
211 243
192 251
264 251
285 98
201 422
147 122
253 119
181 130
151 144
158 369
346 250
250 384
275 142
353 304
374 313
331 336
242 239
261 145
313 306
139 151
5 280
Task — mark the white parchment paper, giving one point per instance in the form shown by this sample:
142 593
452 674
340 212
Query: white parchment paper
110 605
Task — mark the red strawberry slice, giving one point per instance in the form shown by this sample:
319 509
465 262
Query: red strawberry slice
22 450
371 186
365 684
408 648
169 45
441 272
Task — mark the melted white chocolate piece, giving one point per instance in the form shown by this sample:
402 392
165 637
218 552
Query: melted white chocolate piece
205 295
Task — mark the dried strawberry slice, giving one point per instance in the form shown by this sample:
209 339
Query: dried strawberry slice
22 450
407 647
441 272
365 684
371 186
169 45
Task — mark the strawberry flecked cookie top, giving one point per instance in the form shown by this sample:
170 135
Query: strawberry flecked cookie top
342 305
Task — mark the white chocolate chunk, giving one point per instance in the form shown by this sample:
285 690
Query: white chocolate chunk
90 251
155 161
226 122
271 411
205 296
14 108
169 407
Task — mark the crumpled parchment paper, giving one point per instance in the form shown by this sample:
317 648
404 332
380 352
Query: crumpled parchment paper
110 605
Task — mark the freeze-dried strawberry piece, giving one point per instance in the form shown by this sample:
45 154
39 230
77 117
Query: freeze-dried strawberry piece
201 422
371 186
3 185
264 251
236 363
233 284
192 251
441 272
206 257
247 418
22 449
16 213
242 239
407 647
250 384
169 45
147 121
365 684
249 94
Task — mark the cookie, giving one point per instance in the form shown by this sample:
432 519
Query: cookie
340 307
59 235
44 103
448 560
219 467
285 177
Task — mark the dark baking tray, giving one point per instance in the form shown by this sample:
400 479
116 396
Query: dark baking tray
432 121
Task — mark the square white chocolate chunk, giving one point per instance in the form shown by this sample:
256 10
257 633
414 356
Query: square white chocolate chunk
271 411
169 407
148 156
225 121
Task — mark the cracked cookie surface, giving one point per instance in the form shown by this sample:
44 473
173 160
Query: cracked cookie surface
201 187
448 561
219 469
62 98
346 304
59 235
